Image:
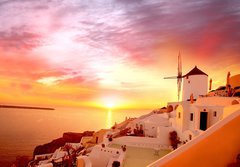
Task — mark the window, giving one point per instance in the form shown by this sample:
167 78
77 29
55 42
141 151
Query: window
189 81
191 117
215 113
190 137
179 115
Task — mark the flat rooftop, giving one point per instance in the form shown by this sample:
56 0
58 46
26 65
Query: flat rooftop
141 157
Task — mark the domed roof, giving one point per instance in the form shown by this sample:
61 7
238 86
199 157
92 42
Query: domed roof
195 71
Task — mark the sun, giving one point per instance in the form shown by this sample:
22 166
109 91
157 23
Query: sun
109 102
109 105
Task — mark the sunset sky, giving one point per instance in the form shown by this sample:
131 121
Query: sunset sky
112 53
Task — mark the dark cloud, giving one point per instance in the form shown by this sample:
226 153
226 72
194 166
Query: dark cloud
147 23
20 39
138 26
187 21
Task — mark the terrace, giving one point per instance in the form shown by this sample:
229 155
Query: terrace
140 157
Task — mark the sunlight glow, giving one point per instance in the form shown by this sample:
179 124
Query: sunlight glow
55 56
109 119
48 81
110 102
110 105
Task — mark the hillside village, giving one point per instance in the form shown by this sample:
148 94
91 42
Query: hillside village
203 117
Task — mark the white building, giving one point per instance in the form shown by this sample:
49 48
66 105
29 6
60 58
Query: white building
101 156
210 110
194 118
196 83
190 119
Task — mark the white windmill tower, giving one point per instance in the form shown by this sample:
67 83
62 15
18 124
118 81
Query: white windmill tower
195 83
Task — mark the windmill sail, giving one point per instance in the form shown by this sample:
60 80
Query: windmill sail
179 75
179 78
173 77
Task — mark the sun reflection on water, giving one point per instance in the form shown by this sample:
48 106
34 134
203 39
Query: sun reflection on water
109 123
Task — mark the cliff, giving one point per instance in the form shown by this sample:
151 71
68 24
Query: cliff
68 137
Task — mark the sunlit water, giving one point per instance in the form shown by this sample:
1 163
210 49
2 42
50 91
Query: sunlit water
23 129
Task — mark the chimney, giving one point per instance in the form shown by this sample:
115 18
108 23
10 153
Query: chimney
191 99
228 78
210 84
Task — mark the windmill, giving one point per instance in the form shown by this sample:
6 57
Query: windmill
179 75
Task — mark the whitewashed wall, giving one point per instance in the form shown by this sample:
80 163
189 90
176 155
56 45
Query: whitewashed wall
196 85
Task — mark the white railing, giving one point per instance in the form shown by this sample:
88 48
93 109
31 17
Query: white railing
142 142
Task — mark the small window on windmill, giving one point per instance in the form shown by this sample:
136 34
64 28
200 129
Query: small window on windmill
179 115
187 77
215 113
191 117
189 81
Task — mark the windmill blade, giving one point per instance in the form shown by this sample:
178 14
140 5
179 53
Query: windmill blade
179 75
173 77
179 83
179 80
179 65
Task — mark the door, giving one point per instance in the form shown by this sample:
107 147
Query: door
203 120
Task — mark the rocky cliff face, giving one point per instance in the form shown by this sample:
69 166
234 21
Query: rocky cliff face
68 137
21 161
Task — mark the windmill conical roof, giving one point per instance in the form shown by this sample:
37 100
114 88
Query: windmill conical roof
195 71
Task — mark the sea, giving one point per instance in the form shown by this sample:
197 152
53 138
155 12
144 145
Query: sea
21 130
